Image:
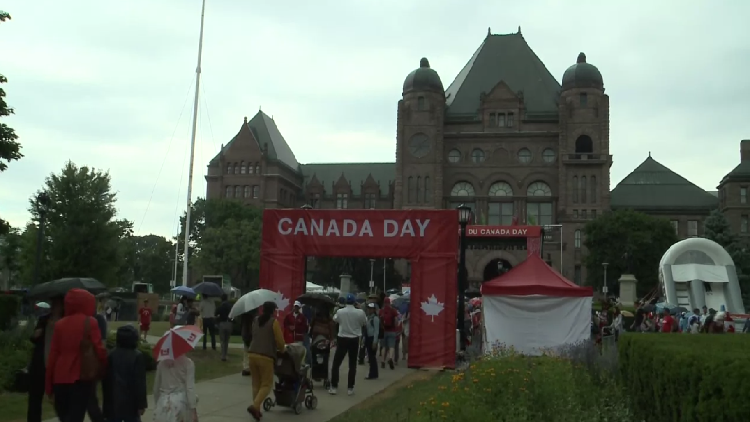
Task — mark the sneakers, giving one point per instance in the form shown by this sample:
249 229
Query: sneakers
332 391
350 392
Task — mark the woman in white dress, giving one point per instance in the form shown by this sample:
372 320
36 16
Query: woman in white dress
174 391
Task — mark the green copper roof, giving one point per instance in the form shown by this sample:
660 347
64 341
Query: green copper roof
505 58
423 78
582 75
266 132
356 173
652 186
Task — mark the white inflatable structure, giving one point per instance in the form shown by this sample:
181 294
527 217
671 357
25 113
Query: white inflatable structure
699 272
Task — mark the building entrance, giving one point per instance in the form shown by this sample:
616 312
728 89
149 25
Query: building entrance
496 268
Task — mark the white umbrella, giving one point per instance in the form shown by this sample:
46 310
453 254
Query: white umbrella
252 300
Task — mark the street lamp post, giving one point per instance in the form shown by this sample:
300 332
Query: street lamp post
372 273
305 207
42 202
604 288
464 215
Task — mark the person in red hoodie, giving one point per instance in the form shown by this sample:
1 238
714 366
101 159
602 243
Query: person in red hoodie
64 386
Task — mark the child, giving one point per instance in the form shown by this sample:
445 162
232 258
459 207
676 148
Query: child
174 391
145 319
124 385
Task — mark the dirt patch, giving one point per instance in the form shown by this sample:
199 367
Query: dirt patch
392 389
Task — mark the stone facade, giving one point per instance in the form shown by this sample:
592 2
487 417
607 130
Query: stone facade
524 154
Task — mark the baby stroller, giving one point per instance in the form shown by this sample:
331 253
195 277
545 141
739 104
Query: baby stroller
321 353
294 387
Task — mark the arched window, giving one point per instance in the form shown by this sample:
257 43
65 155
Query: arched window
236 168
524 155
548 155
257 168
462 189
584 145
538 189
230 169
584 188
477 156
575 189
501 189
454 156
427 190
593 189
243 167
229 191
539 212
238 191
246 193
410 192
419 189
578 239
256 191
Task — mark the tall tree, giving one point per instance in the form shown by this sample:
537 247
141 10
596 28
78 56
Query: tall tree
82 235
326 271
613 235
211 219
148 259
716 227
10 249
10 149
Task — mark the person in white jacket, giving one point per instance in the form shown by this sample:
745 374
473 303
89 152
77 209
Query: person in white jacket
174 391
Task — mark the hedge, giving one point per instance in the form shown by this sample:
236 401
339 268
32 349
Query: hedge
690 378
9 307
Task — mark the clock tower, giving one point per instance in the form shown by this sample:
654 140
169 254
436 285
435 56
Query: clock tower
419 140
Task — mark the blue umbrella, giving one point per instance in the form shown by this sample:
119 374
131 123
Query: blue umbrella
184 291
208 288
401 302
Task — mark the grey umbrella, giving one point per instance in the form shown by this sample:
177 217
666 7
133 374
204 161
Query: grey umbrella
62 286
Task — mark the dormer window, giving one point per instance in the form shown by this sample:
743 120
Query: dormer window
243 167
420 103
510 121
500 120
342 201
230 169
584 99
315 200
236 168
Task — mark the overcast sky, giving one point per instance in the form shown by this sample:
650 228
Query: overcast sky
106 83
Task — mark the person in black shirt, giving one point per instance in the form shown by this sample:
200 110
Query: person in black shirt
225 325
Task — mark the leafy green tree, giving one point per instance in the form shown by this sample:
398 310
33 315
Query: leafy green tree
10 149
214 222
642 237
717 228
149 259
10 248
82 235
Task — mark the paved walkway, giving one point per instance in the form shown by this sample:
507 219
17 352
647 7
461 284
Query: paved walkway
226 399
153 339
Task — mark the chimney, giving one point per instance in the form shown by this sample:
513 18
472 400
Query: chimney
745 150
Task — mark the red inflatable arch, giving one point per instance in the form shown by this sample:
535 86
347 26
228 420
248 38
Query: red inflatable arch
426 237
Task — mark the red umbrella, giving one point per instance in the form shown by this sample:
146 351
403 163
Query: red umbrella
176 342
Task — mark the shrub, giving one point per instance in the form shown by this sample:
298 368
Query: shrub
679 377
15 349
509 387
9 307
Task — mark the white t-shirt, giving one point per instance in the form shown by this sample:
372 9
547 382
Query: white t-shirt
350 321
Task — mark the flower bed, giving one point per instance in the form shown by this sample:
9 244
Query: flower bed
514 388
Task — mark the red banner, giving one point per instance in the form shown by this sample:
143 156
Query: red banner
426 237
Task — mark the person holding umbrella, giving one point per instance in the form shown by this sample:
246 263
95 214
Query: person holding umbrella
174 386
41 339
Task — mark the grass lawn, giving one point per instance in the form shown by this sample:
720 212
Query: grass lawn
160 327
207 366
397 401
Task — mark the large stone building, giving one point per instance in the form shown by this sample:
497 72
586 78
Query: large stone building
505 138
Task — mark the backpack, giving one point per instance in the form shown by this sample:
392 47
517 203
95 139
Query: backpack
91 368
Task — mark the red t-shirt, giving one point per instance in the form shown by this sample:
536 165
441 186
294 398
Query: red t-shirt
389 317
667 323
145 314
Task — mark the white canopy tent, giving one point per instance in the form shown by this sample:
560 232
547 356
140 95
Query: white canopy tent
533 308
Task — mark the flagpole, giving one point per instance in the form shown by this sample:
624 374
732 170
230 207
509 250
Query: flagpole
192 151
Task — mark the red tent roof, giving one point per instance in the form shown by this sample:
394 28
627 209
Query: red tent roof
534 277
